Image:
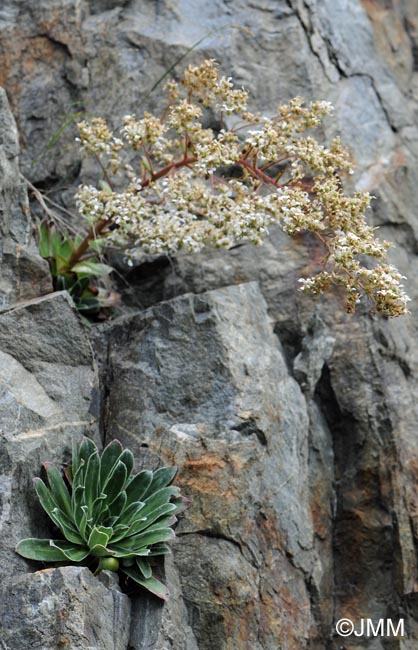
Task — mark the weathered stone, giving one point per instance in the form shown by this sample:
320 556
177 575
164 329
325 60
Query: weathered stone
317 347
356 496
23 274
63 608
48 386
201 381
156 626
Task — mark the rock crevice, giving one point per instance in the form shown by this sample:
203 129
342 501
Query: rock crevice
293 425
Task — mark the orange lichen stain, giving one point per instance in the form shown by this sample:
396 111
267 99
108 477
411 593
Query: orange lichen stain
210 474
284 616
39 49
399 159
270 532
240 626
23 57
374 9
50 570
350 609
320 510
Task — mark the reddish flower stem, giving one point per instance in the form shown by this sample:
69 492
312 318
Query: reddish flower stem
98 228
255 171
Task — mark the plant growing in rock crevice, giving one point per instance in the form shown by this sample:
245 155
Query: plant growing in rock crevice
110 518
169 184
77 278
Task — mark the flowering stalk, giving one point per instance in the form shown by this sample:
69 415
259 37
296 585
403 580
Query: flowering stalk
182 187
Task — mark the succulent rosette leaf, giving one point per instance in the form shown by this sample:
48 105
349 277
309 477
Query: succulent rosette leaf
108 514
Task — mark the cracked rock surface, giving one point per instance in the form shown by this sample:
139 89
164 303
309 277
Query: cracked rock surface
64 608
191 384
294 426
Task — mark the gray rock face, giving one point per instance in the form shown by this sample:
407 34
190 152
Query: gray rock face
201 381
63 608
47 396
304 497
23 274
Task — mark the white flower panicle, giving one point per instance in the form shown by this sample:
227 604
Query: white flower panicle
172 185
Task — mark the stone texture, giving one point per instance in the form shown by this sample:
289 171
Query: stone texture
277 567
23 274
48 388
201 381
63 608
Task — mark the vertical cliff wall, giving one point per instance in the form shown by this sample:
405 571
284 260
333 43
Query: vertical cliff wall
294 425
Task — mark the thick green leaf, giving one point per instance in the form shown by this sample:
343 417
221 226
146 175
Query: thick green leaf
88 267
65 249
151 584
91 481
110 456
99 537
44 244
144 567
75 458
71 551
109 513
68 528
115 483
55 239
58 488
68 472
79 288
119 532
99 507
48 502
79 473
131 513
159 549
87 448
121 552
159 498
161 478
162 510
127 458
138 486
83 523
78 478
143 540
123 528
48 550
181 503
118 506
101 551
77 502
39 549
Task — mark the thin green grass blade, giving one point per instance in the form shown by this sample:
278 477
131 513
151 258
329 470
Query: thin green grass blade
190 49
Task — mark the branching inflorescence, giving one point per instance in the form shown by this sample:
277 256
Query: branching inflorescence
170 184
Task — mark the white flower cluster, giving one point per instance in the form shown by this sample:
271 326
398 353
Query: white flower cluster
189 187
